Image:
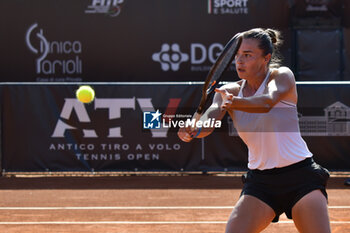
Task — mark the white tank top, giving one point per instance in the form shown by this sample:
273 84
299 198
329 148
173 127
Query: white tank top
273 138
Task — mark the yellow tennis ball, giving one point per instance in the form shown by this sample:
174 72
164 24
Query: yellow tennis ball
85 94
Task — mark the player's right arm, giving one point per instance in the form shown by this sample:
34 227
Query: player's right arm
214 112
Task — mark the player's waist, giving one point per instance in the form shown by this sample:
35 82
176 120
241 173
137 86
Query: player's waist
303 163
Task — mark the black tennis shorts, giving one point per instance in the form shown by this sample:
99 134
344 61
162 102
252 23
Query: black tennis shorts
282 188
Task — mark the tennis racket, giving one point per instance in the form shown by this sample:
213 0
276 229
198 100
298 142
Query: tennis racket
215 73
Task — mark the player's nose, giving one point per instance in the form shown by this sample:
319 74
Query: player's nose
239 59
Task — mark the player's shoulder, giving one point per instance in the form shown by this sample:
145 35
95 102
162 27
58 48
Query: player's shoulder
232 87
283 73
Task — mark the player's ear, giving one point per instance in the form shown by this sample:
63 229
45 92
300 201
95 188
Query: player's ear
268 57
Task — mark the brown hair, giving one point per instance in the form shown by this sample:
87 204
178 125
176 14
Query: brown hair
269 42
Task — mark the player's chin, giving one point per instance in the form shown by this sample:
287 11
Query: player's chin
241 73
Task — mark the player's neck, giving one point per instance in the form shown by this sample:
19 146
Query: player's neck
253 85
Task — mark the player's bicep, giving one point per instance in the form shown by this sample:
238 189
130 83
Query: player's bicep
280 86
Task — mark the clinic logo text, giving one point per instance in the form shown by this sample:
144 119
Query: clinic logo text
66 55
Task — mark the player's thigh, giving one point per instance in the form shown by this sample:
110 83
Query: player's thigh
249 215
310 213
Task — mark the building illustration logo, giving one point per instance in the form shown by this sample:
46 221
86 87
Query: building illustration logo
334 122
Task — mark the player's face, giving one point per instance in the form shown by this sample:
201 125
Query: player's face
250 61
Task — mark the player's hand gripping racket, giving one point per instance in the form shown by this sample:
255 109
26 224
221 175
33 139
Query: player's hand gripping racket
213 78
215 73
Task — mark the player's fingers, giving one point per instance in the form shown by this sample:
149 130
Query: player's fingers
220 91
229 96
223 92
188 130
186 138
184 135
227 104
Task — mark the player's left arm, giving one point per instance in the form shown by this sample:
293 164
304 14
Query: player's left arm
213 113
280 85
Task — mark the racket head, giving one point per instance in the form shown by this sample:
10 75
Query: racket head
215 74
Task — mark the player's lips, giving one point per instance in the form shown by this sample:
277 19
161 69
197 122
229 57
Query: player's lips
240 69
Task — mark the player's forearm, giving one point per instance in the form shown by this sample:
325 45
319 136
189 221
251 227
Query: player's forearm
210 120
253 104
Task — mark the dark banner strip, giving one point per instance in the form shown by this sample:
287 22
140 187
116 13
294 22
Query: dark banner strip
133 128
125 40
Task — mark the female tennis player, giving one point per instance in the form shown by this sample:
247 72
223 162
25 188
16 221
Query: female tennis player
282 176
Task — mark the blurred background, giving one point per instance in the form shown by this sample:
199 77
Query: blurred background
161 40
48 48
